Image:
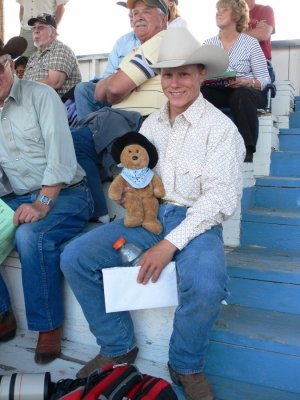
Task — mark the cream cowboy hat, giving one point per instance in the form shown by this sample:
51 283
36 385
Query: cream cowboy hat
178 47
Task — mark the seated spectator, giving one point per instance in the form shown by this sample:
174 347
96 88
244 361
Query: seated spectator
84 91
200 163
246 93
20 65
134 91
174 18
53 63
31 8
45 186
262 26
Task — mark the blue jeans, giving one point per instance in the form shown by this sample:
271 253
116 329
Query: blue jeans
88 159
202 279
4 297
85 100
38 244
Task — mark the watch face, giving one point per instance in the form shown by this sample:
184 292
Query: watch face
45 200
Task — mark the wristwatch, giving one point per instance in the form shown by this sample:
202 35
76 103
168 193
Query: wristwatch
45 200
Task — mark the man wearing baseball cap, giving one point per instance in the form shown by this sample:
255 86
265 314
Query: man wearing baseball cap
53 63
30 8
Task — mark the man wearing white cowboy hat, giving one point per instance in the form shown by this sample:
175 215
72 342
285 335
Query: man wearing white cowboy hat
200 162
42 182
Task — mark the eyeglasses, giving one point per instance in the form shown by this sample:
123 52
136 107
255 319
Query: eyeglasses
3 66
221 10
39 28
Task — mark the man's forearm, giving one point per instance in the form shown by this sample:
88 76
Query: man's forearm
59 13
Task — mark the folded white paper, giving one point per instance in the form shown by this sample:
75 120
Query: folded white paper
123 293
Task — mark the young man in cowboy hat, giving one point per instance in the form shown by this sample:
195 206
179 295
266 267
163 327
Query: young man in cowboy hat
200 163
42 182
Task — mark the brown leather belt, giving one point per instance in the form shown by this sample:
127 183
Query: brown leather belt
75 185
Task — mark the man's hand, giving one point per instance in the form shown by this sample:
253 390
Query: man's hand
154 261
30 212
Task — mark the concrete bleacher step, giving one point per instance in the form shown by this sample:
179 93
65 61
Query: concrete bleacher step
295 119
285 163
264 346
266 279
289 139
297 103
230 389
277 193
271 228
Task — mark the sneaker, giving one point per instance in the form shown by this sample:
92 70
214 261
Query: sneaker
105 219
195 386
100 361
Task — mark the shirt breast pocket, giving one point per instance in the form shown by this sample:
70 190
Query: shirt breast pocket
31 141
188 181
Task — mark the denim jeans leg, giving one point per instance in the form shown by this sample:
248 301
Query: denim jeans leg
38 245
88 159
85 100
82 261
202 280
4 296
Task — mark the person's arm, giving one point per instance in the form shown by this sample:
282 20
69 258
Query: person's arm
261 32
61 166
59 13
37 210
114 88
55 79
21 13
154 261
264 27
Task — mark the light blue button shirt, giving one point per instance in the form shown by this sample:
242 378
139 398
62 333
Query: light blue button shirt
36 146
122 47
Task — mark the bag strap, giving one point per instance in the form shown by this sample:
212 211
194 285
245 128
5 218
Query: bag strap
115 383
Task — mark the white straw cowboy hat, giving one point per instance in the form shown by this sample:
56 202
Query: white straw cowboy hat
178 47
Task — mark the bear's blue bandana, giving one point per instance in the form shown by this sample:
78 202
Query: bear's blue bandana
137 178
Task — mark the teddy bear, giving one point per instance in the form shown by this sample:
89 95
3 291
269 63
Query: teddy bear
143 188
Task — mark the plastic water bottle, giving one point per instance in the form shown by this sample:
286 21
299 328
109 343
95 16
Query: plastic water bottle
130 253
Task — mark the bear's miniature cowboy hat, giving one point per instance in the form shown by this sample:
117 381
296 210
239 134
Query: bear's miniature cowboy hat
134 138
179 47
14 47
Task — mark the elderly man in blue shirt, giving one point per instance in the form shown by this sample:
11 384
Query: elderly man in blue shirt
84 91
42 182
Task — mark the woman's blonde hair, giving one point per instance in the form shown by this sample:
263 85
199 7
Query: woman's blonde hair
173 11
240 12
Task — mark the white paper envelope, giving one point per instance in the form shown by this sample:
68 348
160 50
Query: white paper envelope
123 293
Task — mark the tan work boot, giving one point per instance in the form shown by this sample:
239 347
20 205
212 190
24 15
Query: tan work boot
195 386
100 361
